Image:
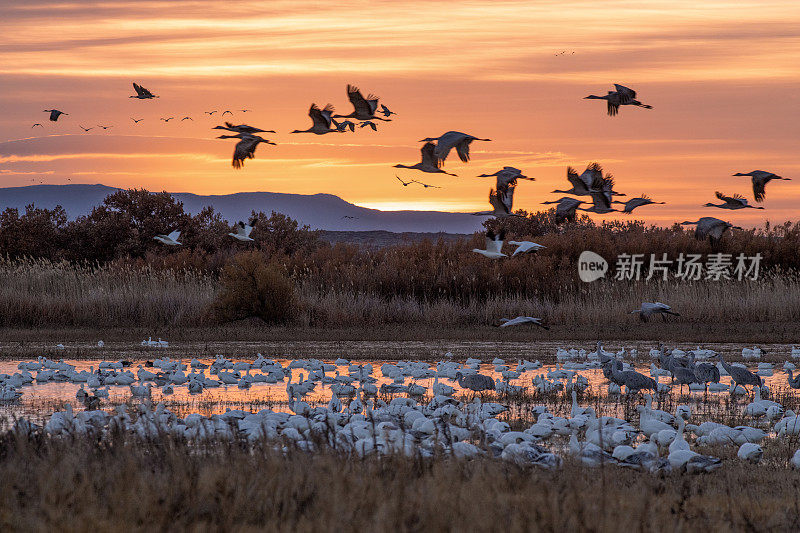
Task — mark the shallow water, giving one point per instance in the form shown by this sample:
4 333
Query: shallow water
40 399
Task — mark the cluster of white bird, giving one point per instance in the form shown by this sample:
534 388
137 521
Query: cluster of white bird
426 418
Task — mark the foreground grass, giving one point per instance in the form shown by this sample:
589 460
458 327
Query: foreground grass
82 484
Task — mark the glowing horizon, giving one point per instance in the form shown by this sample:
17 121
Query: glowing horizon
721 76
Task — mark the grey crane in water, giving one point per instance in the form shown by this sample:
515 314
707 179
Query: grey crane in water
142 93
475 382
633 203
245 148
322 121
649 309
452 139
760 178
794 382
740 376
428 162
54 114
566 210
710 227
621 96
737 201
706 373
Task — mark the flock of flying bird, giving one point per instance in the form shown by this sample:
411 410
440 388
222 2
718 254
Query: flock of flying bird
592 182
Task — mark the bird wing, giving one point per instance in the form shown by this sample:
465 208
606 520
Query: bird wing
759 188
361 105
428 155
626 94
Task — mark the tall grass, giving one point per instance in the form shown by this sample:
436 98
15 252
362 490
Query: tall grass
168 484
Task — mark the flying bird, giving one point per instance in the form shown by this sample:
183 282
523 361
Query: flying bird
566 209
363 108
54 114
242 232
429 163
386 112
507 322
241 128
760 178
525 247
494 245
170 240
370 124
622 96
453 139
321 119
710 227
426 185
245 148
142 93
649 309
84 129
633 203
405 183
737 201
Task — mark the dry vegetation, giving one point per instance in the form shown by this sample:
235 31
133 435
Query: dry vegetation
80 484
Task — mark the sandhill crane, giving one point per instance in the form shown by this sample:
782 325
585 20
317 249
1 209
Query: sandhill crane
633 203
428 163
170 239
737 201
142 93
453 139
370 124
342 126
243 230
136 120
649 309
166 119
321 119
494 245
501 201
507 322
54 114
245 148
475 382
739 375
386 112
710 227
566 209
37 124
363 108
622 96
525 247
405 183
506 176
427 186
760 178
241 128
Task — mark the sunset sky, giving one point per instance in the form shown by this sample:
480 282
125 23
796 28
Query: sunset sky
722 76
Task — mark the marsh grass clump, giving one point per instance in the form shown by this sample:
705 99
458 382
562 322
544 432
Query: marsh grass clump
251 286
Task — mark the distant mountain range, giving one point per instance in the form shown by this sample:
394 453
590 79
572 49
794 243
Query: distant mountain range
319 211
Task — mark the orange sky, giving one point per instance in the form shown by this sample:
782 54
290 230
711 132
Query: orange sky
722 77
